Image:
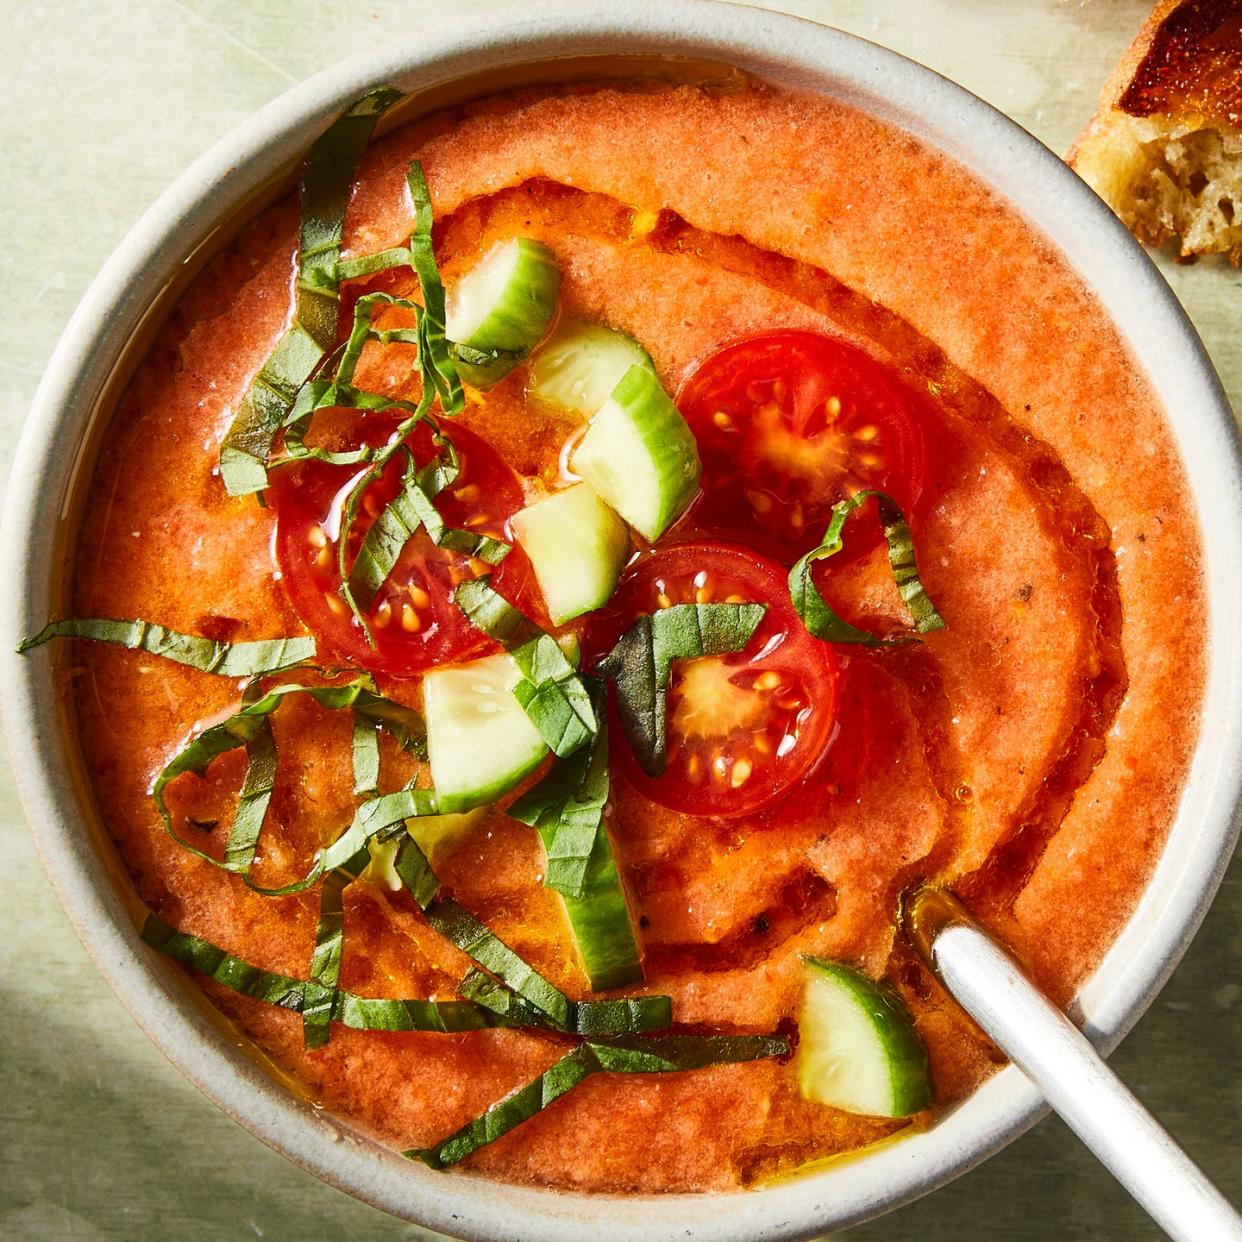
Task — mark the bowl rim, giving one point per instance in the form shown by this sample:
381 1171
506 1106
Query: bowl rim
795 52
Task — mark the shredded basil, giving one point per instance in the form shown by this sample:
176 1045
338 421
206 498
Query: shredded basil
362 1013
640 665
321 989
567 808
246 659
550 692
662 1055
329 170
811 606
460 927
438 363
248 727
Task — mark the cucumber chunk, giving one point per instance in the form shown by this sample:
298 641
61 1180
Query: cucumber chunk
580 364
498 311
640 455
858 1050
480 741
577 546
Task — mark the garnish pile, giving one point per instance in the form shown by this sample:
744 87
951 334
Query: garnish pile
418 560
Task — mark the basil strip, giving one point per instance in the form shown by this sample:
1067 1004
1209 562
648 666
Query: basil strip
811 606
248 727
567 808
668 1054
595 1019
319 992
465 931
246 659
366 757
551 692
326 179
434 353
373 819
372 264
640 665
363 1013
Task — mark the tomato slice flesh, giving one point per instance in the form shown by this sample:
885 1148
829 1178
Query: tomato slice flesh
743 728
790 422
414 620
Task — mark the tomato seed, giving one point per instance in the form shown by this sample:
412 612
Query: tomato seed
735 599
663 600
870 460
468 493
317 537
741 773
795 517
335 603
383 615
722 420
419 596
767 681
762 743
833 407
702 595
760 502
789 702
720 767
323 558
867 434
410 620
694 769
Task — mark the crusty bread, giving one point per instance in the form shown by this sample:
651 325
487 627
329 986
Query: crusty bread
1164 148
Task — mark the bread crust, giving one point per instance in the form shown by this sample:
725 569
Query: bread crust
1164 147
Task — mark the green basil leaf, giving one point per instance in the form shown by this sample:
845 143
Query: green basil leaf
319 992
567 809
325 188
661 1055
362 1013
366 756
551 692
814 610
439 367
372 264
475 940
246 659
248 727
640 665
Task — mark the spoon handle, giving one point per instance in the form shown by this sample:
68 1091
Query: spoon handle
1038 1038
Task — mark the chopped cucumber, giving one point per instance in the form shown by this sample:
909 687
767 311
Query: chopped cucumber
640 455
600 920
480 741
577 546
580 364
498 311
858 1049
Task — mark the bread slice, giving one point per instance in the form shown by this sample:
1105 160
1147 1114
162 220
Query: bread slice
1164 148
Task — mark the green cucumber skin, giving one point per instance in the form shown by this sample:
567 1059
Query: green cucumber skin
517 323
579 365
666 439
909 1073
600 920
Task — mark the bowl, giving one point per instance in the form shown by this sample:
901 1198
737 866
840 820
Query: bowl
204 207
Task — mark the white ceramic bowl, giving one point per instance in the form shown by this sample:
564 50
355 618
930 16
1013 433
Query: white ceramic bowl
53 452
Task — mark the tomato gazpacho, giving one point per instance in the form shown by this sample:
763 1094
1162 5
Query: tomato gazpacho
554 585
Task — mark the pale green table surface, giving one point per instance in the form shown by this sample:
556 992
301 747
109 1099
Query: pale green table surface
102 103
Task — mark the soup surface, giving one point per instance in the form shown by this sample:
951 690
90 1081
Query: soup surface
1028 755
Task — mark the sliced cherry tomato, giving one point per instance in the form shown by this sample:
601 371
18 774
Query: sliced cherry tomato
790 422
413 619
743 728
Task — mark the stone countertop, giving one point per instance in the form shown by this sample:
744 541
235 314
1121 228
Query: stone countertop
102 103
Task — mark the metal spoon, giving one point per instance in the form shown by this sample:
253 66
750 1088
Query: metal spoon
1041 1041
